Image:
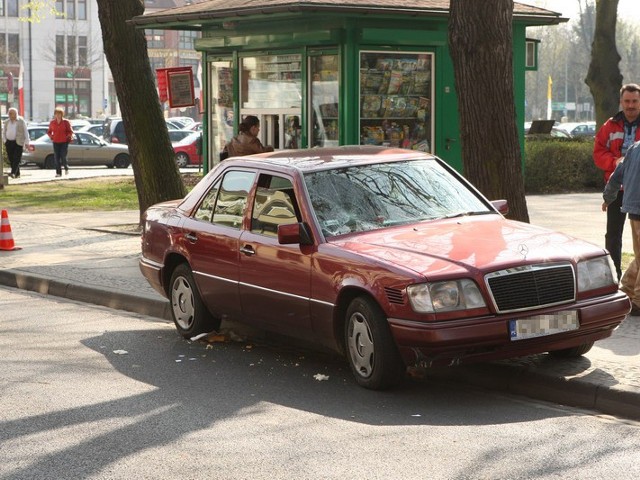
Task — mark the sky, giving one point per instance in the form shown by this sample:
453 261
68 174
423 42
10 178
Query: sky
627 9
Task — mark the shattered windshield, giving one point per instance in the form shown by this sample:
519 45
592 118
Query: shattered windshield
368 197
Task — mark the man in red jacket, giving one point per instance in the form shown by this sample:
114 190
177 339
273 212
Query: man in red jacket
61 134
611 143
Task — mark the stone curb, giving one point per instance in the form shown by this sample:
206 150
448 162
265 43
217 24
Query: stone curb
98 296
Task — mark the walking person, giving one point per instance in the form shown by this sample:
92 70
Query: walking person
15 137
628 173
61 134
611 143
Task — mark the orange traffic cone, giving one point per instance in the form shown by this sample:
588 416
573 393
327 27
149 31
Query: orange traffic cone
6 238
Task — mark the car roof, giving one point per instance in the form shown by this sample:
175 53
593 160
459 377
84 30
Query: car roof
316 159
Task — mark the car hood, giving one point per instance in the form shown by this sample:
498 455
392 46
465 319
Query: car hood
466 245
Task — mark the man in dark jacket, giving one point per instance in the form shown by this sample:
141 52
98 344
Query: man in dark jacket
611 143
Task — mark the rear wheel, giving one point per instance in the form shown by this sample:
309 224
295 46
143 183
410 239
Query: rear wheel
187 308
49 162
372 353
182 159
121 161
572 352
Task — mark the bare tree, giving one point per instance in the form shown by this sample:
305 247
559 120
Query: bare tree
77 59
483 67
604 77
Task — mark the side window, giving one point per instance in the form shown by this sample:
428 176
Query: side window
274 205
205 210
232 198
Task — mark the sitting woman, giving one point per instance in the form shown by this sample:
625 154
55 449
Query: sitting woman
247 142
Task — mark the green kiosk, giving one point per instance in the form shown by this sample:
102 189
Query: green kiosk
328 72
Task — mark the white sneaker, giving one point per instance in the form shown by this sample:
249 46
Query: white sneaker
66 171
58 174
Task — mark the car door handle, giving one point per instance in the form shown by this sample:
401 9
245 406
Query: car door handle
247 250
192 237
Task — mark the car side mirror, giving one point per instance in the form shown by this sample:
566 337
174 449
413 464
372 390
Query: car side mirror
501 205
294 233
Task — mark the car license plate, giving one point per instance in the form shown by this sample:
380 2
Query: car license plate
540 325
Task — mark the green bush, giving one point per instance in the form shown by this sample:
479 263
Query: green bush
558 165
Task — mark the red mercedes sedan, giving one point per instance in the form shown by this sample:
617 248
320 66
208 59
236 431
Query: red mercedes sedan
386 255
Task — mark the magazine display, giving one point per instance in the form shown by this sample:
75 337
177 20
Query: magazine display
395 99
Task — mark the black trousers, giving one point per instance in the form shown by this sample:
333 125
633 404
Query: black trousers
14 153
615 227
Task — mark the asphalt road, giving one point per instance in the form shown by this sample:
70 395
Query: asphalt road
93 393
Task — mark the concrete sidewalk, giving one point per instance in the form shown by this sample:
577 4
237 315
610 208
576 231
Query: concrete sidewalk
85 257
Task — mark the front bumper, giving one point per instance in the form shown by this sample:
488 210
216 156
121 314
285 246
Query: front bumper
487 338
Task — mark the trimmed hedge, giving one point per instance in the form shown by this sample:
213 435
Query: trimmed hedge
560 165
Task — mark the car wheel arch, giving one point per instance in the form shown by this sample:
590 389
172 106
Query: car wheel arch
171 262
345 297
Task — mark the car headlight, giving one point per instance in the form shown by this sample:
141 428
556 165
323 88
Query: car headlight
445 296
595 273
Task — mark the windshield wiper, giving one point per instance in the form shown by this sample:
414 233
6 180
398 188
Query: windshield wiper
466 214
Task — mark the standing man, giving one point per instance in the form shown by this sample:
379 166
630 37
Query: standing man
628 172
60 134
611 144
15 136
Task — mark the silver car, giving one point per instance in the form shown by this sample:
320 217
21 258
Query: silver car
85 150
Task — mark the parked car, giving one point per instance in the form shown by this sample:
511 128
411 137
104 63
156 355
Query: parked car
195 126
96 129
386 255
187 150
177 135
113 131
183 121
579 129
85 150
37 131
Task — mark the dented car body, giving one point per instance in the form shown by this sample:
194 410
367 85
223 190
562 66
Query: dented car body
386 255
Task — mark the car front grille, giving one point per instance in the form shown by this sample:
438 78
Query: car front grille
531 286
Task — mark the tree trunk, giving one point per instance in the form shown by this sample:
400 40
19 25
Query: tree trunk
604 77
156 174
481 46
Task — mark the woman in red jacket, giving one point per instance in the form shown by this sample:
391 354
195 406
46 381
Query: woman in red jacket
60 134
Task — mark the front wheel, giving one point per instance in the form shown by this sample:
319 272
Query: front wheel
572 352
372 353
187 308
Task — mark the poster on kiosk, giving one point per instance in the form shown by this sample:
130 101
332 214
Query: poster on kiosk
176 86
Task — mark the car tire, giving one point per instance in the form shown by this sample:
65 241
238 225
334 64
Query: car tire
49 162
182 159
121 161
371 351
188 311
572 352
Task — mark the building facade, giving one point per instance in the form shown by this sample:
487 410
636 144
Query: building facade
58 58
